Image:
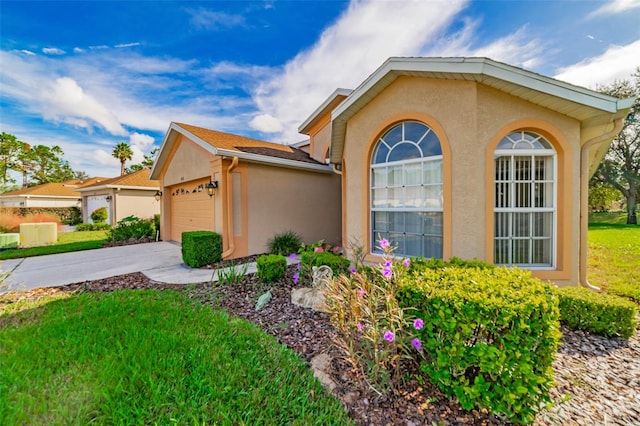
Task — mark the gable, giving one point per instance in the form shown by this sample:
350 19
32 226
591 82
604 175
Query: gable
187 162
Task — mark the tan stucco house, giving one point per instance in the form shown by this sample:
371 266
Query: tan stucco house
59 194
133 194
261 189
444 157
468 157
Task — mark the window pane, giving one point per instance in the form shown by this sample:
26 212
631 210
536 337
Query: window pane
501 252
413 197
432 196
379 177
522 168
380 221
393 136
502 228
414 131
380 156
542 251
404 151
523 194
379 198
520 253
432 247
395 177
413 174
430 145
432 171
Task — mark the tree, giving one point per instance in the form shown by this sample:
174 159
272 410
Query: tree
621 165
122 152
10 150
47 165
602 195
148 162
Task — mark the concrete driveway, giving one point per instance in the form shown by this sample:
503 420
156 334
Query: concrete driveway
161 261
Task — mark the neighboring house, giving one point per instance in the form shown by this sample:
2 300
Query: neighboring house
262 189
61 194
468 157
130 195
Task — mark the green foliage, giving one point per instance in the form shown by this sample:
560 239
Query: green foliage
433 263
98 226
489 337
150 358
629 290
285 243
201 248
132 228
374 333
122 151
99 215
338 264
271 267
67 242
233 274
598 313
156 221
75 216
602 196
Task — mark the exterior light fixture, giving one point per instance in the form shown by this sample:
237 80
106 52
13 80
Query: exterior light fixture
157 195
211 186
108 198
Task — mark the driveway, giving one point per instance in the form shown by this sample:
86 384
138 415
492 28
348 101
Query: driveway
161 261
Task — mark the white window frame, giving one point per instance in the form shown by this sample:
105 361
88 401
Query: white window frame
533 154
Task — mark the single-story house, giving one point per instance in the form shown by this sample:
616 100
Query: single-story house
258 189
60 194
444 157
468 157
133 194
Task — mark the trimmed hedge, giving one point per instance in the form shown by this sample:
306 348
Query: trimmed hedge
271 267
100 226
598 313
201 248
489 337
338 264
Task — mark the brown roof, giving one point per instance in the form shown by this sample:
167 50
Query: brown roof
139 178
230 142
57 189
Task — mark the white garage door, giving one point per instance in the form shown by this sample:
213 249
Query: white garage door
95 202
191 208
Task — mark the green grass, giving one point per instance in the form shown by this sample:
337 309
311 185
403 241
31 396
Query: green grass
150 357
619 217
614 258
67 241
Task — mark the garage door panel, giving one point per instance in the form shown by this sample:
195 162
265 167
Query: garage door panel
190 211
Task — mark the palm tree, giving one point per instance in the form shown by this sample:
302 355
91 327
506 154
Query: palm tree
122 152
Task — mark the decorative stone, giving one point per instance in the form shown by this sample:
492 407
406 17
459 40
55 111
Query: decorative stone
309 297
321 275
320 364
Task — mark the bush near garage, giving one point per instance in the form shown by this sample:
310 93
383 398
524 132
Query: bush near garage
99 226
201 248
132 228
490 335
99 215
598 313
271 267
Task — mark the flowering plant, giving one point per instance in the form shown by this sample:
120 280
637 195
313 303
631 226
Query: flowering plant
374 332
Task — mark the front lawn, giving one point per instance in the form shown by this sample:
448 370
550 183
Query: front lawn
614 258
67 242
149 357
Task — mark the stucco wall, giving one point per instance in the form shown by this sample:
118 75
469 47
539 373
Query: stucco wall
469 119
135 202
280 199
188 162
39 202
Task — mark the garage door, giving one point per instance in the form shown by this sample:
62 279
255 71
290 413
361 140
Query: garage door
95 202
191 208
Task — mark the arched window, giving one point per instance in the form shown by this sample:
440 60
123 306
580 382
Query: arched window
406 190
525 201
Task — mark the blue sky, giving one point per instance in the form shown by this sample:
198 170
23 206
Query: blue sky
87 75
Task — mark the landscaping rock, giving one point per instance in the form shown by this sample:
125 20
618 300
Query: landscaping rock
309 297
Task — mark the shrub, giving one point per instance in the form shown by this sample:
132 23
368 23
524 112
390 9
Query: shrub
99 215
131 228
73 217
374 332
100 226
11 222
233 274
271 267
489 337
201 248
285 243
598 313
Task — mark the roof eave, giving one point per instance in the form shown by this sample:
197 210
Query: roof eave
326 106
282 162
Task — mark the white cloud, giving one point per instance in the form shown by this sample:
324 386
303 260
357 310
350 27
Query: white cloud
99 47
53 51
141 140
616 63
205 19
26 52
126 45
78 50
615 7
266 123
64 100
365 35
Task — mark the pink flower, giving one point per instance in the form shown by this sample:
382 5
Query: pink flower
335 249
389 336
384 243
387 273
292 256
406 262
418 324
360 326
388 263
298 267
416 343
353 270
296 277
361 292
318 250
